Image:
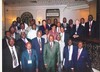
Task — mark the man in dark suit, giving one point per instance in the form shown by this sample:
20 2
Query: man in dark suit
78 29
68 56
81 59
22 41
11 56
51 55
64 24
38 45
29 59
49 23
5 39
70 28
43 27
91 27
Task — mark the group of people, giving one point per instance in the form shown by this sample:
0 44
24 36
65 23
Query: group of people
47 48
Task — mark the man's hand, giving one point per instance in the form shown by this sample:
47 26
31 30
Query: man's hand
46 66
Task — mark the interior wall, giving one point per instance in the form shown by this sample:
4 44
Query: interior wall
39 12
92 9
3 19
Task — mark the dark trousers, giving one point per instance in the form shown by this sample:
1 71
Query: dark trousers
42 69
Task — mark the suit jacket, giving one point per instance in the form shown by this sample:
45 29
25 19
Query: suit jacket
51 56
65 27
93 29
36 46
71 30
21 44
4 43
80 30
7 59
68 64
25 58
84 60
43 29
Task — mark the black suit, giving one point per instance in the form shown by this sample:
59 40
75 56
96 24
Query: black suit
65 27
21 44
71 30
93 29
7 60
4 43
80 31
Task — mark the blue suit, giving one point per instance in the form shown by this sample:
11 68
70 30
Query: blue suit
68 64
36 46
82 62
26 67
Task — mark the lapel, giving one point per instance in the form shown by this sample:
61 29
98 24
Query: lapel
26 55
37 41
9 53
81 54
53 45
67 52
51 49
22 41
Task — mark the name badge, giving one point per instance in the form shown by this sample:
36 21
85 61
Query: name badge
40 49
89 29
29 61
75 32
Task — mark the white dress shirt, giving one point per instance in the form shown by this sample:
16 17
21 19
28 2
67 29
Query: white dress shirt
45 37
77 26
51 44
39 39
19 31
25 40
70 48
58 29
10 48
62 36
79 52
62 45
13 35
90 24
31 34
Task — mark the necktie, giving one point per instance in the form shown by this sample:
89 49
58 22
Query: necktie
51 45
78 54
40 46
14 57
90 28
30 53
